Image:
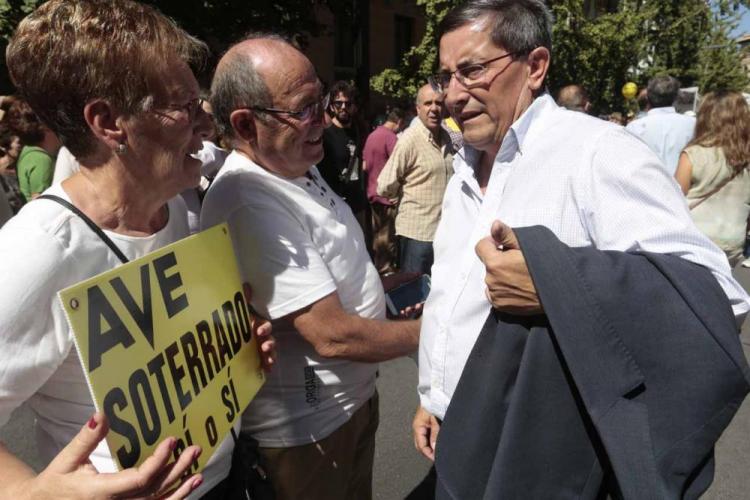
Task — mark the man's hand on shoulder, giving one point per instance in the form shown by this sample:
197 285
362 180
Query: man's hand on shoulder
509 285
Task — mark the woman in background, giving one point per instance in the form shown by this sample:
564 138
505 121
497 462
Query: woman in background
713 171
113 80
35 165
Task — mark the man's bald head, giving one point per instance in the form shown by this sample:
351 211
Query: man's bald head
249 70
574 98
268 101
424 92
430 108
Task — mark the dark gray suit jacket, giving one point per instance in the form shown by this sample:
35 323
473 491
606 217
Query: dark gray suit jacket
621 389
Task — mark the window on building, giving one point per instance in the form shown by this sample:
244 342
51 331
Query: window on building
403 37
344 42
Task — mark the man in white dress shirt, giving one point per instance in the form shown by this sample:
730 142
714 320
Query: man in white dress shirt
662 128
529 162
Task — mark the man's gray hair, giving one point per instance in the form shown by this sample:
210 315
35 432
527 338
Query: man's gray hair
237 84
662 91
518 26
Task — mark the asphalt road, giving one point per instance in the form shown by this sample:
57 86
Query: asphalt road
398 467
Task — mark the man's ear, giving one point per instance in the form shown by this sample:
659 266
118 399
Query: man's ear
243 124
538 60
104 122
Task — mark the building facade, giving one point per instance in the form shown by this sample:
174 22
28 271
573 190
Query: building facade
372 37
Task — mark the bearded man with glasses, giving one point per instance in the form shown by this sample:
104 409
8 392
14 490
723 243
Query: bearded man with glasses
526 162
316 416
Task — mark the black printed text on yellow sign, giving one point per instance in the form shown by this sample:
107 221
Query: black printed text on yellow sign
167 346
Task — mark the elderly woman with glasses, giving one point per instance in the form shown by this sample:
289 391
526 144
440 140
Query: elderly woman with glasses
113 79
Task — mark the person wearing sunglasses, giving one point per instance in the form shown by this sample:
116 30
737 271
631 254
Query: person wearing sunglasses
341 166
315 418
528 162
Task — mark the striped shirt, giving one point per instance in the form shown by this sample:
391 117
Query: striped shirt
417 173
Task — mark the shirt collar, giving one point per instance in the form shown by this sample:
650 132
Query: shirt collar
516 137
662 111
445 137
239 161
514 141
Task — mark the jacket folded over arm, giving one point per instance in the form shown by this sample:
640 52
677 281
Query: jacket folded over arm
622 388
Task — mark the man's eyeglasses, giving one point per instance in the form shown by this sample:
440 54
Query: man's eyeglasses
469 76
303 115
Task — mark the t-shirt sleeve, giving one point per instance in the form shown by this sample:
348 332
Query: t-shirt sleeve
277 256
34 335
41 172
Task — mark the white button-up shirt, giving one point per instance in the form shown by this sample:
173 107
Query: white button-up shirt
666 132
587 180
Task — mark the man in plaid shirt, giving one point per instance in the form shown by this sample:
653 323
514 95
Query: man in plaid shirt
416 174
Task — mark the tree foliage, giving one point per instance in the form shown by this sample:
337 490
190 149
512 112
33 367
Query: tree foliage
638 39
217 22
419 62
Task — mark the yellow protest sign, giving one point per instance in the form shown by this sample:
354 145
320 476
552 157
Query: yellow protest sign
167 347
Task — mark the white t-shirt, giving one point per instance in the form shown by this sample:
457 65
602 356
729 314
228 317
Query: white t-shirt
212 158
44 249
296 242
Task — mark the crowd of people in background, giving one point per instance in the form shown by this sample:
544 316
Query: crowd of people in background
327 213
707 152
32 159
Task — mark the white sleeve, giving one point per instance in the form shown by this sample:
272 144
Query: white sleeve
279 259
34 335
630 203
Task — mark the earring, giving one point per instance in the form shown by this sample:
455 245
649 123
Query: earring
121 148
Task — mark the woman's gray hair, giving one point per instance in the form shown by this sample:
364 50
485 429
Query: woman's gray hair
518 26
238 84
69 52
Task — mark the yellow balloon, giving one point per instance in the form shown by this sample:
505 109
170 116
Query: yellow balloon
629 90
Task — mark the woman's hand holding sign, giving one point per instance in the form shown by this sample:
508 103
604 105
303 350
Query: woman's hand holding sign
71 475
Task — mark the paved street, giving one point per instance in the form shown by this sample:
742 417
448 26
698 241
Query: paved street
398 467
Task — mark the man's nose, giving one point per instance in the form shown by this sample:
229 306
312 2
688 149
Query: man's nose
456 98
